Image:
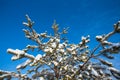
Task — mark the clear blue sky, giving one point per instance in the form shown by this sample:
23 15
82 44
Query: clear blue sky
82 16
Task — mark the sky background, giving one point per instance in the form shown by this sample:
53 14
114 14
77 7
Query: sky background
84 17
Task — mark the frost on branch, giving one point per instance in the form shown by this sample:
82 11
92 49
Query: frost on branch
57 59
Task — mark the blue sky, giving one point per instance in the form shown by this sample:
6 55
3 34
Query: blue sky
82 16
